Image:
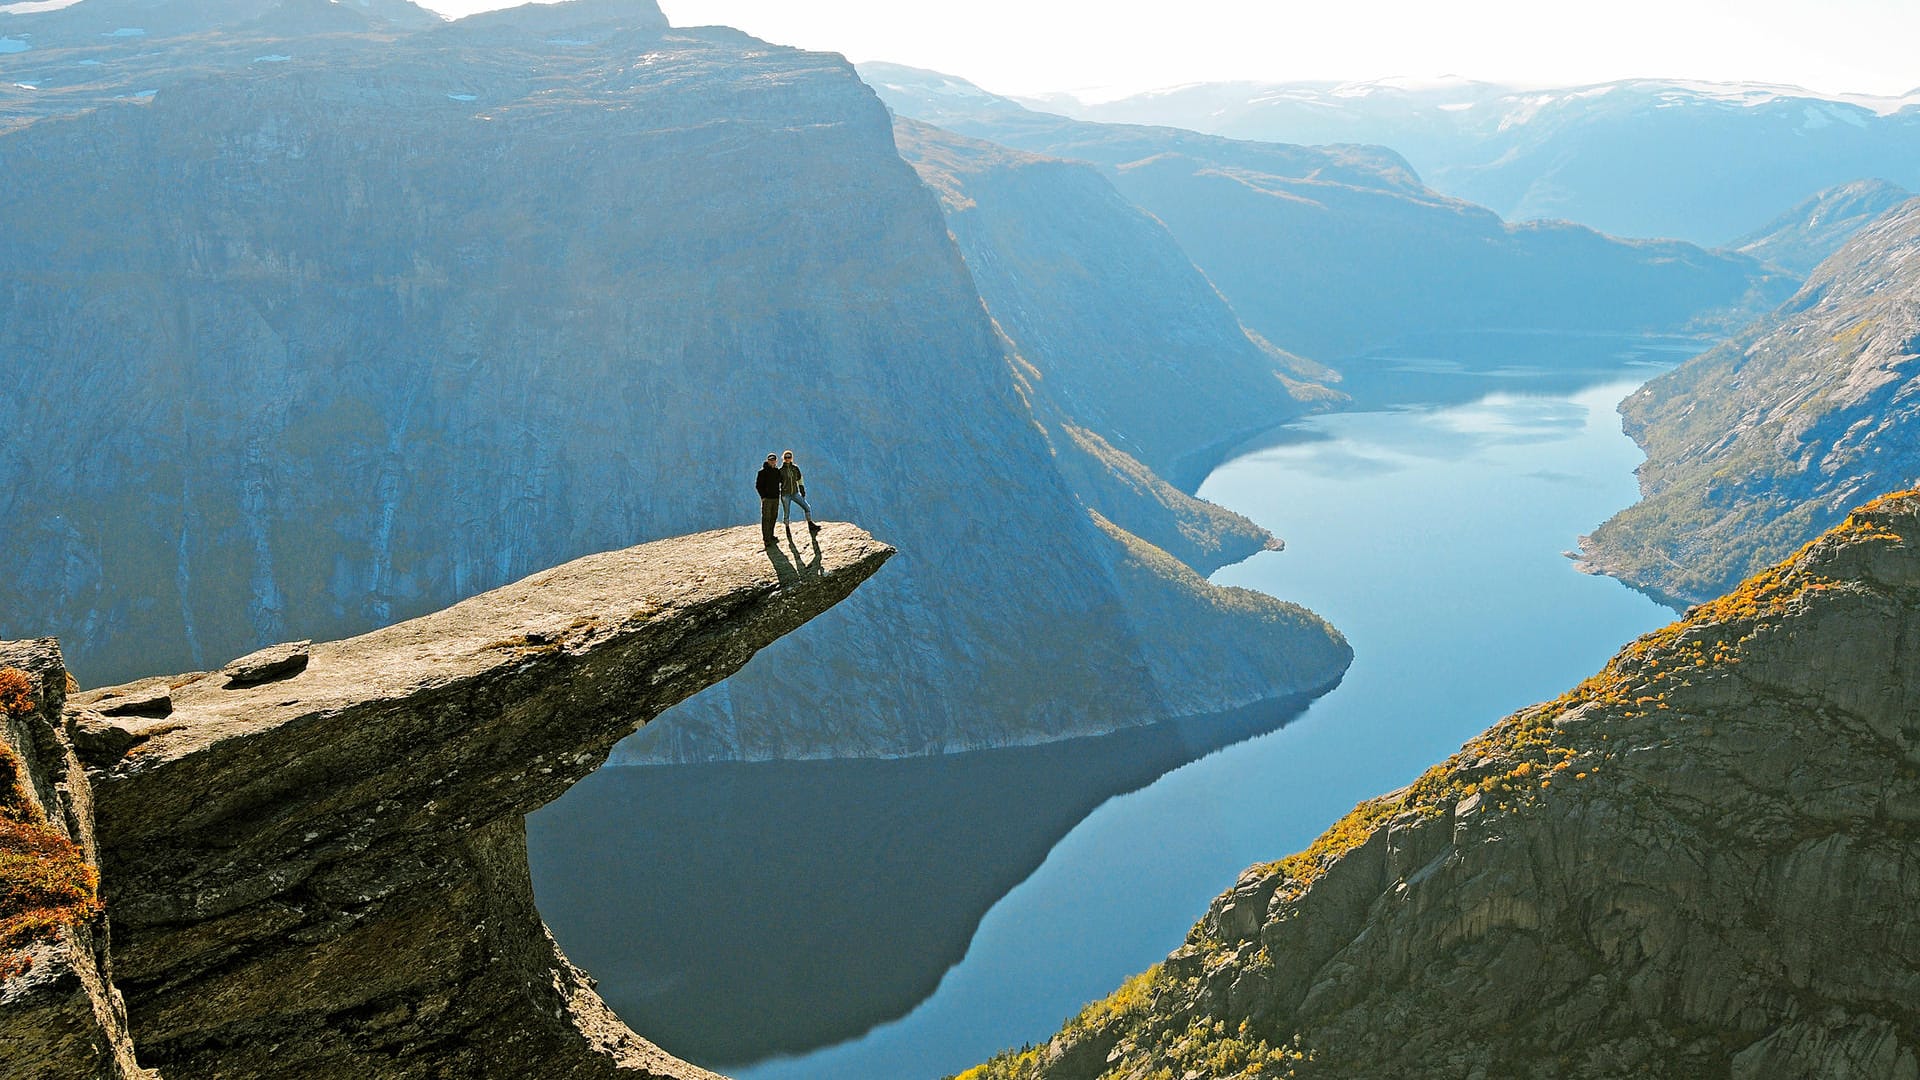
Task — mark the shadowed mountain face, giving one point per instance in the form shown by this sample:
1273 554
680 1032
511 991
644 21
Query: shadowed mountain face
1758 445
324 343
1331 251
1696 863
1802 238
1644 157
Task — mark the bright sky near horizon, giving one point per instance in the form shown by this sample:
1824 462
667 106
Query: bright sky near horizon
1123 46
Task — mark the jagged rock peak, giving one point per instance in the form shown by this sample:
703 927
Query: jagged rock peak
318 854
1696 863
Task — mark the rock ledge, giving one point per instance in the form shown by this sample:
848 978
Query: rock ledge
324 873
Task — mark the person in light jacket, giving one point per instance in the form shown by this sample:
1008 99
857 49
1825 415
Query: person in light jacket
794 490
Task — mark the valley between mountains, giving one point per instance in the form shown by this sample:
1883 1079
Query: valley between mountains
381 392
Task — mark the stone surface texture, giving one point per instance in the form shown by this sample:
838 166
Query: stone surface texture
334 340
61 1017
1703 861
1757 446
326 875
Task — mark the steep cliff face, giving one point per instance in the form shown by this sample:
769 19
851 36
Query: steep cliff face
328 342
314 860
1699 862
1333 250
1756 446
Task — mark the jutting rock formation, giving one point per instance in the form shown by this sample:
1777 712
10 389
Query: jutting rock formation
1699 862
313 861
1755 447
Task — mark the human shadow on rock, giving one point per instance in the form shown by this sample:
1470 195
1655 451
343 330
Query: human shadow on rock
736 911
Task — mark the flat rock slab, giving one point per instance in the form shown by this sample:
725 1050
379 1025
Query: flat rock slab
271 664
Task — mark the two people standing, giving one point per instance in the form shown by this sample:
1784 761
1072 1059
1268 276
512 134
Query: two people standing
780 486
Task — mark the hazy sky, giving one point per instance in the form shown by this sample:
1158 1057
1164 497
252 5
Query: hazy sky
1033 46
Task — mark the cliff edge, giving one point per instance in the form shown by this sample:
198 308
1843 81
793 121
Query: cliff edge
314 860
1699 862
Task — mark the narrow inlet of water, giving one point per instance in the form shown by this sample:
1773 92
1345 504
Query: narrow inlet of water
816 900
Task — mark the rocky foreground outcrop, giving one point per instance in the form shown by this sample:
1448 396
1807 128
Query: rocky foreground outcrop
314 860
1700 862
1756 447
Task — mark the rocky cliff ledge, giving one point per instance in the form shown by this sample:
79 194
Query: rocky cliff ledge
1702 862
314 860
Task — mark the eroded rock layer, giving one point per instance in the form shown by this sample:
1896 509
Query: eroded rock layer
319 869
1703 861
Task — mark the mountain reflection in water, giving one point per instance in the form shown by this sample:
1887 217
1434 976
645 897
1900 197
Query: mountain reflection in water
734 911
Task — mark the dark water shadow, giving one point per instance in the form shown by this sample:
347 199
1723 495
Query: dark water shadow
731 912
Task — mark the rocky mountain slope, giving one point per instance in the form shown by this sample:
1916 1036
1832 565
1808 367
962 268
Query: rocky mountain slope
1329 251
340 338
314 860
1761 443
1698 862
1807 235
1699 161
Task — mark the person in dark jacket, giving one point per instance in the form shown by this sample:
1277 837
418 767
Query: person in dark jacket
767 483
793 489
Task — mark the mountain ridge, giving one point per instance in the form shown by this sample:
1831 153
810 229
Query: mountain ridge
1630 157
1332 251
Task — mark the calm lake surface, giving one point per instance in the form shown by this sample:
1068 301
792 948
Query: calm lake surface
761 919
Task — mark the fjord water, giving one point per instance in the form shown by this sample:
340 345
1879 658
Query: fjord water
1431 535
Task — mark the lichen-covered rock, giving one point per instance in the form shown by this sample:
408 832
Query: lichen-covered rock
1699 862
326 874
60 1016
